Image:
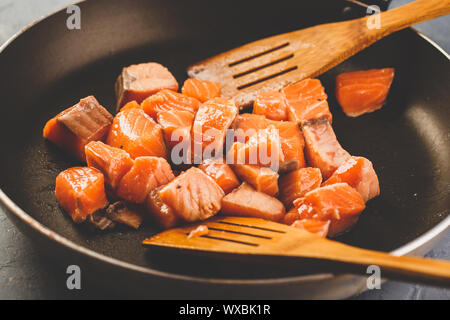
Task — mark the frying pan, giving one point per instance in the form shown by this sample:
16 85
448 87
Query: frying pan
48 68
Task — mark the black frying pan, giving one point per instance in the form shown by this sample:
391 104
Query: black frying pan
48 68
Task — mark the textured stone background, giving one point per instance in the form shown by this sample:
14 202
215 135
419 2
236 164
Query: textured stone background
25 274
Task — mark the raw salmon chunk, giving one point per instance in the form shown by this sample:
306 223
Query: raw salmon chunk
247 202
193 195
323 150
201 90
114 163
339 203
221 173
261 178
135 132
140 81
271 104
75 127
81 191
168 100
210 126
131 105
361 92
358 172
297 183
319 227
176 125
291 138
161 213
146 174
306 100
262 149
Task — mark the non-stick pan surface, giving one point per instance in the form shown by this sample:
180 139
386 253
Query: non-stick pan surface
48 68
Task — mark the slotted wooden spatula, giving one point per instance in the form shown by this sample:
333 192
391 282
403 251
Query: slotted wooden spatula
275 62
251 238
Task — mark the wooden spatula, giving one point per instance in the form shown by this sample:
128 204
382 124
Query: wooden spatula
275 62
261 240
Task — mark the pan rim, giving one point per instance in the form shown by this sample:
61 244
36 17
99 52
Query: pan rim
407 248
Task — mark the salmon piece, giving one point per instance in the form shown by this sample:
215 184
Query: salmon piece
146 174
297 183
76 126
318 227
136 133
193 195
167 100
357 172
176 125
262 149
291 138
271 104
210 127
114 163
201 90
122 213
291 216
363 91
201 230
339 203
139 81
131 105
262 179
161 213
221 172
323 150
306 101
81 191
247 202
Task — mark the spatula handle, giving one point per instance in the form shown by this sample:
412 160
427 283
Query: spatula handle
408 15
408 268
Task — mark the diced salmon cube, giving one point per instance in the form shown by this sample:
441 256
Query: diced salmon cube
306 101
339 203
271 104
114 163
81 191
176 125
221 172
193 195
210 127
201 90
245 201
131 105
297 183
361 92
140 81
261 178
291 138
167 100
146 174
319 227
161 213
262 149
358 172
135 132
323 150
76 126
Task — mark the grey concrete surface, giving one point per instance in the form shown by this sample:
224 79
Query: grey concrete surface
25 274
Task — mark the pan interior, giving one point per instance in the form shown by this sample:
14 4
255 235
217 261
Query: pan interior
408 140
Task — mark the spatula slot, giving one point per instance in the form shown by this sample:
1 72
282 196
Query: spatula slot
267 78
230 240
238 75
242 233
281 46
249 226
